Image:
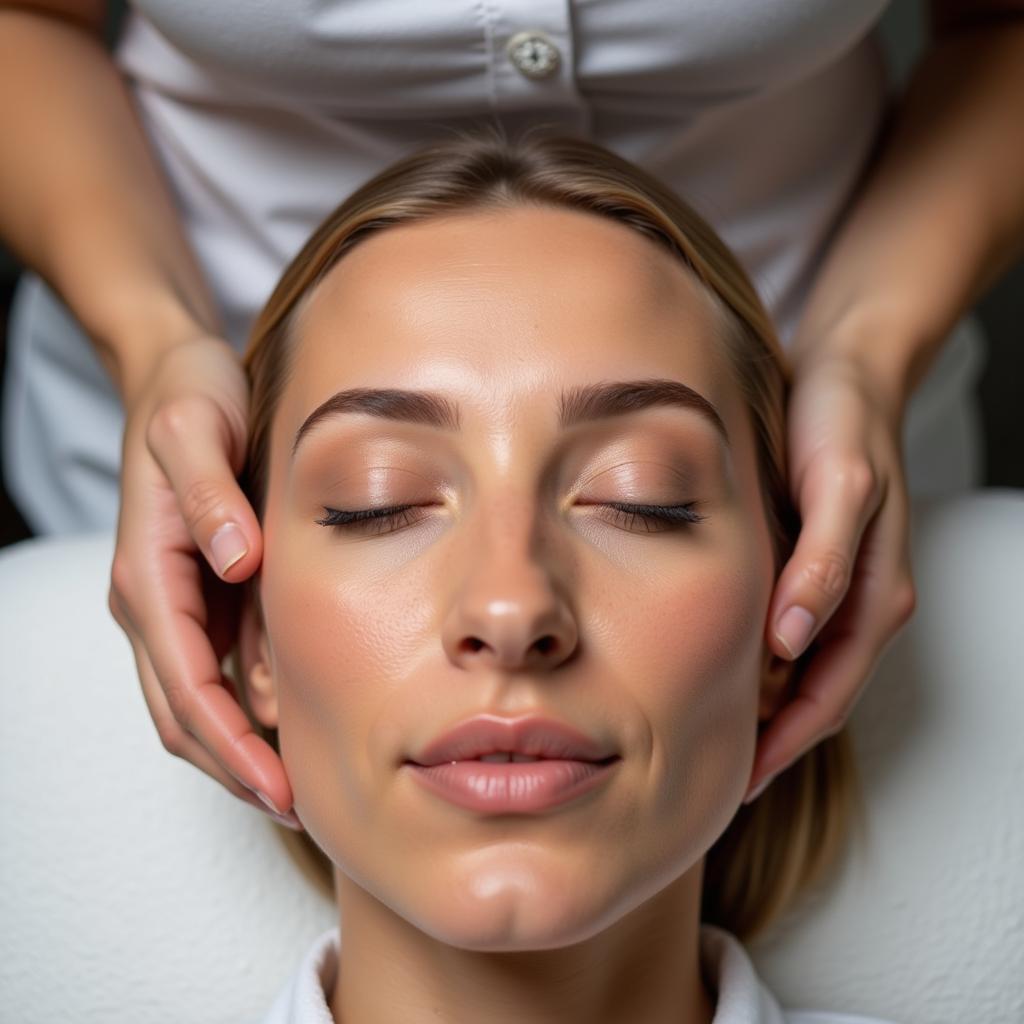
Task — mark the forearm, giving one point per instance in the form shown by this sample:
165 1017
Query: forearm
82 200
939 217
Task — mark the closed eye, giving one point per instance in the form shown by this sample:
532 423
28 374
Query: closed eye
627 516
653 518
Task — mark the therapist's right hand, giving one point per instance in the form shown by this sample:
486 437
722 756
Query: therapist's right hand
186 537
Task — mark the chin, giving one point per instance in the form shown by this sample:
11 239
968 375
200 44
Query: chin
516 907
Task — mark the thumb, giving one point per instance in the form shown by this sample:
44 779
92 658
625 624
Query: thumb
193 444
839 501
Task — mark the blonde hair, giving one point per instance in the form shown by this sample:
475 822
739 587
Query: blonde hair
776 847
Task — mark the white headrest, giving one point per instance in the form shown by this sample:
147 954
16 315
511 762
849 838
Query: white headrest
136 891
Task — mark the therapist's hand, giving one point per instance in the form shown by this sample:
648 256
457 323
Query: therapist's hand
185 535
848 586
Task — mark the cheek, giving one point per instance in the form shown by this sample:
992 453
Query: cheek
707 631
344 641
690 645
689 623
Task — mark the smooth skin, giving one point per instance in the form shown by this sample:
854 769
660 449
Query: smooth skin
512 586
886 296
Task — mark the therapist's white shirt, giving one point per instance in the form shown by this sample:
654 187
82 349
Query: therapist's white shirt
265 115
742 997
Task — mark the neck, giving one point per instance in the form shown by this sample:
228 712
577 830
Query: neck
645 968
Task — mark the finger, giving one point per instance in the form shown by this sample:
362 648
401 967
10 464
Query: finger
190 675
157 596
171 626
178 742
836 503
880 601
198 450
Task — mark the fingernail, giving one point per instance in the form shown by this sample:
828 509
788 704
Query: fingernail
760 789
289 820
228 546
794 630
270 803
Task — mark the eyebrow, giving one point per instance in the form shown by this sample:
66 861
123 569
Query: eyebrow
577 405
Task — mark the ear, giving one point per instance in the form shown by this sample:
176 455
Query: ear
776 676
256 666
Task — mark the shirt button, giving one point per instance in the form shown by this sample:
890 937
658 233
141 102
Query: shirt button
533 54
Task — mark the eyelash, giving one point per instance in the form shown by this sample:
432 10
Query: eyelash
654 518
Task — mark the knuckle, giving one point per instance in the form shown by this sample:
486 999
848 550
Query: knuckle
904 602
830 574
120 579
114 605
174 420
179 704
857 477
172 738
201 501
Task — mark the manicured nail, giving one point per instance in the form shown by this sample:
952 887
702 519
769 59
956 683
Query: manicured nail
762 786
794 630
270 803
228 546
289 820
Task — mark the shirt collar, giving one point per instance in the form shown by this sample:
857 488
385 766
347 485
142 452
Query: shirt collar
742 997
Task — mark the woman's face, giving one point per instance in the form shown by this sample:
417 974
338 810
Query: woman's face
513 582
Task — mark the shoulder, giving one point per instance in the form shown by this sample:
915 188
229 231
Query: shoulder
303 1000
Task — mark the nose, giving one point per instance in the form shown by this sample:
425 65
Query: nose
509 611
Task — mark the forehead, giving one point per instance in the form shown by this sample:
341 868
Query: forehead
505 304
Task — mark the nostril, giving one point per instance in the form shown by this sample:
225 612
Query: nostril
546 644
543 646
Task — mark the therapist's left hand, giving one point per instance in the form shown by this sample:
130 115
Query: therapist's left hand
848 586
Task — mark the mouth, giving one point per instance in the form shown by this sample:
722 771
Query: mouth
494 765
506 782
514 757
494 739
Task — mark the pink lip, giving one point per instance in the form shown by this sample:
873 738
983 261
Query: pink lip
490 734
573 764
512 788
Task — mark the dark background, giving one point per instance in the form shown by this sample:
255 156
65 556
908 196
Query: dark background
1002 313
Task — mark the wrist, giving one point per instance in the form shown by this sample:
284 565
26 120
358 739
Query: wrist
138 335
887 350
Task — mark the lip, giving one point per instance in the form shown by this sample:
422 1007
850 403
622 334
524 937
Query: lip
512 788
573 764
490 734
